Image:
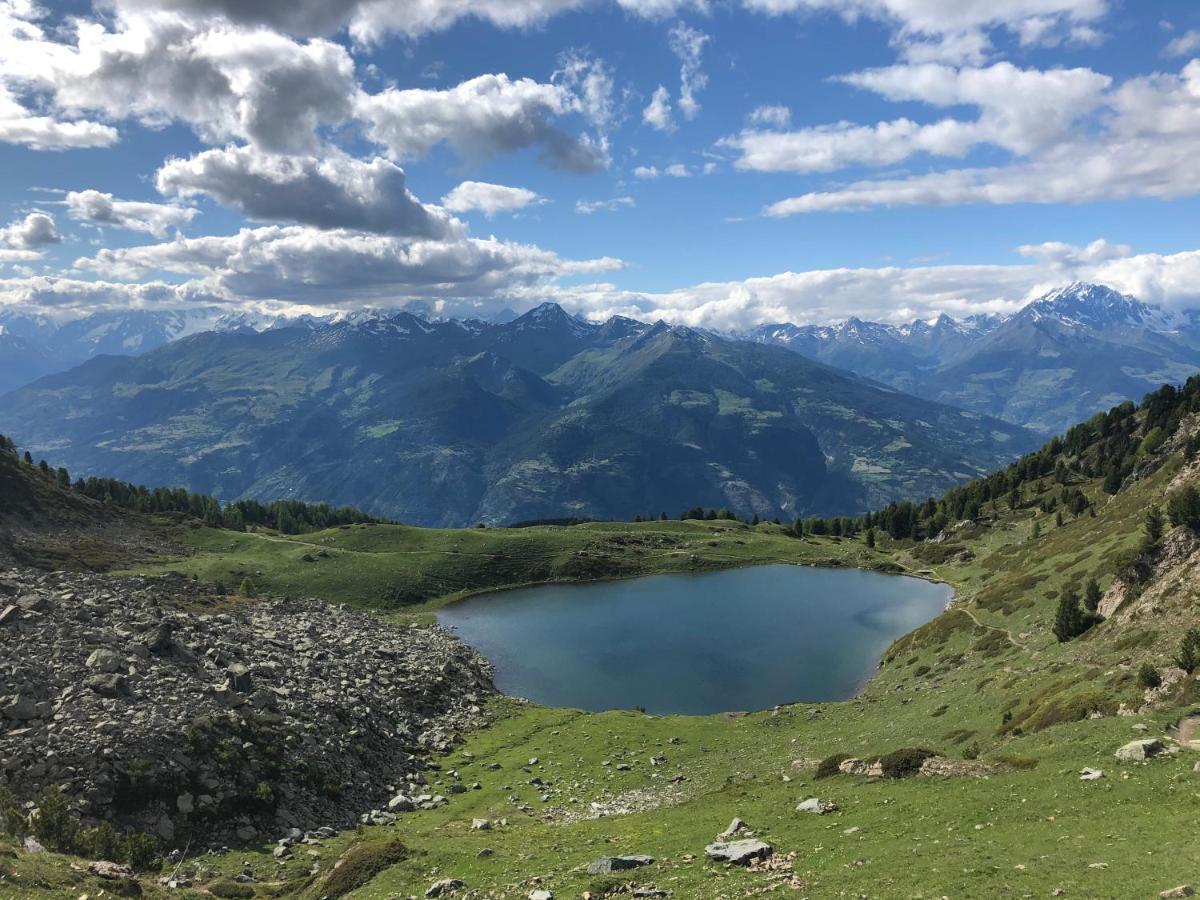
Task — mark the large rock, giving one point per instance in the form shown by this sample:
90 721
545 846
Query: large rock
817 806
606 864
1140 750
443 888
103 660
21 709
740 853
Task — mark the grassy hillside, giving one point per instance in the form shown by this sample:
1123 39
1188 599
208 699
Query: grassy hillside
987 682
396 566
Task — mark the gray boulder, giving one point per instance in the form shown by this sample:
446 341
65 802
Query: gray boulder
103 661
606 864
740 853
1140 750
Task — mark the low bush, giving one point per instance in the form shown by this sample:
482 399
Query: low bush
904 762
1148 676
829 765
360 865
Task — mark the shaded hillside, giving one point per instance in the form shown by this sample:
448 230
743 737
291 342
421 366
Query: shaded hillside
450 423
43 525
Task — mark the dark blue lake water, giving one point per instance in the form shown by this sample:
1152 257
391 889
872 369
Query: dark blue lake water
741 639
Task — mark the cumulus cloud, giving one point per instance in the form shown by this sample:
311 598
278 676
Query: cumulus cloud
20 126
899 294
103 209
488 198
956 30
657 113
479 119
340 267
54 294
1138 142
332 191
369 21
32 233
588 207
224 82
1020 110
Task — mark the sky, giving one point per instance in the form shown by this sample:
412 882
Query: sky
719 163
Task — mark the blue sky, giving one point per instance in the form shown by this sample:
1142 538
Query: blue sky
805 159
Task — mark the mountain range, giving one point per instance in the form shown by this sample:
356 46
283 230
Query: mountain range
455 422
1067 355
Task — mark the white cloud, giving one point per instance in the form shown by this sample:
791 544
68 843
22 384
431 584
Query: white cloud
488 198
1020 110
898 294
344 268
32 233
54 294
224 82
1138 141
588 207
480 118
371 20
102 209
657 113
332 191
19 126
688 44
675 170
1186 43
956 30
770 117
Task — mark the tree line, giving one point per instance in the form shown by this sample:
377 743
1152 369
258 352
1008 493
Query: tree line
286 516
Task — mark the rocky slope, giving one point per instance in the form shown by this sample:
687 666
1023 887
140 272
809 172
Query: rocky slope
161 704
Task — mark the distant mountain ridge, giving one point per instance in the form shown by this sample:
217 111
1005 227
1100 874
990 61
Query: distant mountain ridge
453 422
1075 351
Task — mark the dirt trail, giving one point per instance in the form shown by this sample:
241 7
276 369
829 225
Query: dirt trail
1004 631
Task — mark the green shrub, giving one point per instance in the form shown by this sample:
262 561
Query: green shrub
12 818
921 671
1148 676
139 851
828 767
54 825
904 762
362 864
230 890
1188 657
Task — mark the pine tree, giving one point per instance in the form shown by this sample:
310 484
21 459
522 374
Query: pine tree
1188 657
1153 526
1183 507
1092 595
870 538
1068 619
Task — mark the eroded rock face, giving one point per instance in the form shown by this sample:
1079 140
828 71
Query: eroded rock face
162 706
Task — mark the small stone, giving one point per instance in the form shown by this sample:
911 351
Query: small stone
481 825
540 895
185 803
1090 774
818 806
109 871
239 678
734 827
443 888
740 853
247 833
1184 890
401 803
